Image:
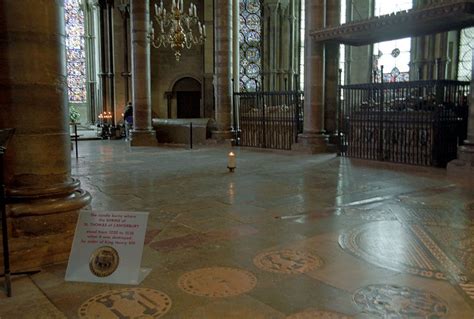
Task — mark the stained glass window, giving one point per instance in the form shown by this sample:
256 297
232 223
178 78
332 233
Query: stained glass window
394 55
465 54
75 51
250 41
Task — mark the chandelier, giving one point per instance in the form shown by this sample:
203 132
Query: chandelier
175 28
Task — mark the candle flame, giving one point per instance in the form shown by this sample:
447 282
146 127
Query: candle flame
231 154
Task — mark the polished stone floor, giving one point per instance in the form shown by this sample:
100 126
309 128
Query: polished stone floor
284 236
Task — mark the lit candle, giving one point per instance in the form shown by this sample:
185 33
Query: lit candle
231 163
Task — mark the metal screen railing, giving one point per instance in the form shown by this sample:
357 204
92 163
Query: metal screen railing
419 122
268 119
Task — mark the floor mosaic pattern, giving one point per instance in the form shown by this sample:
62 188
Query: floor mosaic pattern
217 282
287 261
265 241
390 245
317 314
395 302
132 303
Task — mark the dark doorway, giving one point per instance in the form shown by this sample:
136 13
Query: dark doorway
187 96
189 104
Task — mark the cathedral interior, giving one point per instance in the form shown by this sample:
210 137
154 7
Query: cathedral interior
237 159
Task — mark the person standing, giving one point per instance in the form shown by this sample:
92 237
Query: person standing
128 120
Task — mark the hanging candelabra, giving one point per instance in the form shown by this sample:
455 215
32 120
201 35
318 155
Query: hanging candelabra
177 28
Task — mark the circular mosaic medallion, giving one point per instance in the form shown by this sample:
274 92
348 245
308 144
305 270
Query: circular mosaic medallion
133 303
104 261
391 245
389 301
217 282
316 314
287 261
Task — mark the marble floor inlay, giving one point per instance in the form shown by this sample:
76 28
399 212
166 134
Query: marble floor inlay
287 261
217 282
132 303
390 245
389 301
317 314
281 218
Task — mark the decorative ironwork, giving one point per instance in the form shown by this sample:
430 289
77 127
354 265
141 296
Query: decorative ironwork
417 122
250 41
269 119
75 51
465 54
175 28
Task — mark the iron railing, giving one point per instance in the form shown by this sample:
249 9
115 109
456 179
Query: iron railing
268 119
418 122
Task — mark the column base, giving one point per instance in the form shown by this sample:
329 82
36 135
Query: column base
311 144
41 226
223 136
463 166
143 138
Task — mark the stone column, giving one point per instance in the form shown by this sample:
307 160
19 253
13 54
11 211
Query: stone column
223 68
271 36
235 59
333 18
284 37
463 166
208 89
359 59
313 139
43 198
142 133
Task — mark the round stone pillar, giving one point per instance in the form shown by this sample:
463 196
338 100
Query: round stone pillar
313 139
331 72
223 68
463 166
43 199
142 133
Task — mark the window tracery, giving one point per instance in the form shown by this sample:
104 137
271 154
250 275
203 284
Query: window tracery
466 46
394 55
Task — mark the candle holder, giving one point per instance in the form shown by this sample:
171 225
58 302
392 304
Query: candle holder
107 130
231 162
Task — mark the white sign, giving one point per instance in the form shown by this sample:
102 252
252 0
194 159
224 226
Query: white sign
108 247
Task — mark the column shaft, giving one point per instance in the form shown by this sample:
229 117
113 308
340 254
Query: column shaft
142 134
223 68
313 139
331 70
463 166
43 197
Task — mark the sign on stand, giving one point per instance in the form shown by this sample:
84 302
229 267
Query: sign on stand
108 247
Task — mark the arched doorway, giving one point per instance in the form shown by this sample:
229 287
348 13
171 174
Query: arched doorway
188 98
